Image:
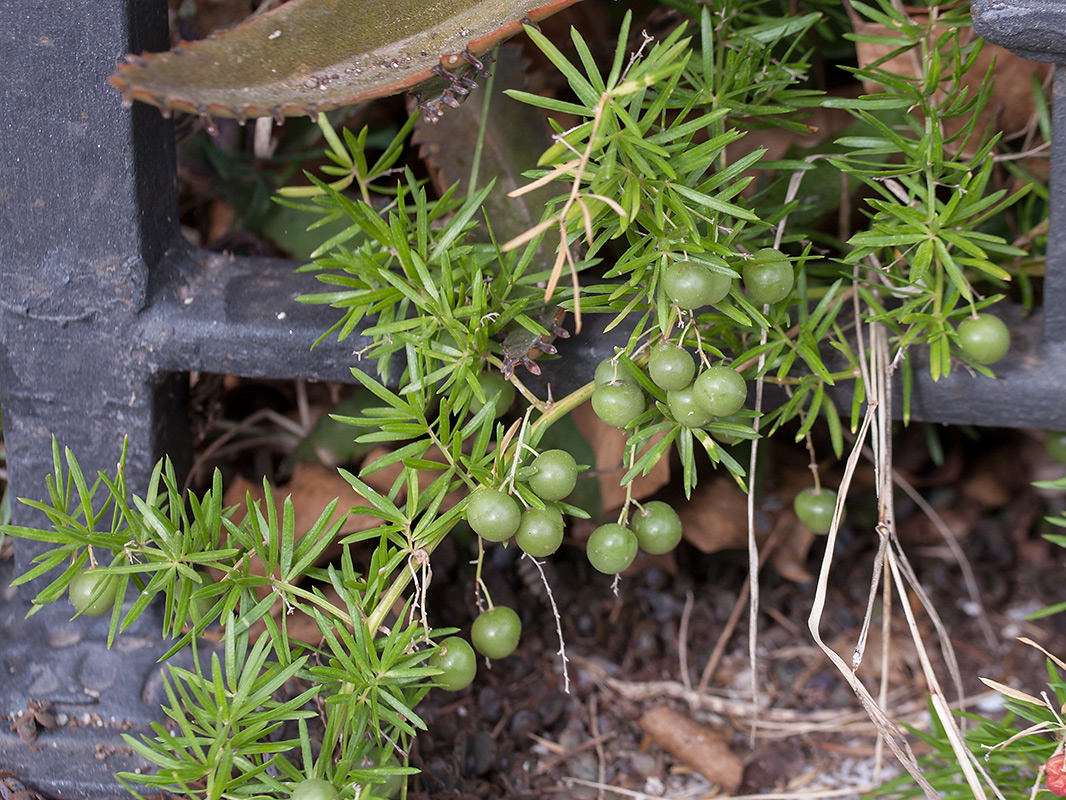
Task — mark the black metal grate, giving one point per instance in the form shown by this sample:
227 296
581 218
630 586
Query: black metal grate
104 310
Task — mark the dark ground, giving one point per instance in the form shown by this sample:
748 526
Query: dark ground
517 733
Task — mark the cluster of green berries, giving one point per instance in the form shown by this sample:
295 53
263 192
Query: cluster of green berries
694 400
655 528
495 634
495 516
768 278
718 391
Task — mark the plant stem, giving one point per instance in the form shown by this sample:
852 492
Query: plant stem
555 412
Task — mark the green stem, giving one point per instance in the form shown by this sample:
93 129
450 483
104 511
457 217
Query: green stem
556 411
395 591
477 573
336 714
559 409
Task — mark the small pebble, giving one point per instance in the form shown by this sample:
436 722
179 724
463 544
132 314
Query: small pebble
585 766
489 703
644 764
654 786
552 708
586 625
523 722
571 738
484 752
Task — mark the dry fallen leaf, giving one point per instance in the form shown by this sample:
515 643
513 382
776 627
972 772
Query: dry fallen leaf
298 626
716 517
609 444
994 479
702 748
919 529
510 139
312 488
789 558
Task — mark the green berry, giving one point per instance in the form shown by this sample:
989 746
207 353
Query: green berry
555 476
690 285
618 403
767 276
815 508
540 532
657 528
611 548
608 371
671 367
721 390
495 633
314 789
686 408
493 515
86 584
984 338
456 658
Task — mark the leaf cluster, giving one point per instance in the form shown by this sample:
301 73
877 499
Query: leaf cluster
929 161
225 712
1010 750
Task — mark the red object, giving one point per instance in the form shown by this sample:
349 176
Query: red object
1056 775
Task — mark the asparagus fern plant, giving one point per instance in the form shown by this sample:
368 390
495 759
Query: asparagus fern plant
661 224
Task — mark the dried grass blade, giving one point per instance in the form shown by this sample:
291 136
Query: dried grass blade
1058 661
1014 694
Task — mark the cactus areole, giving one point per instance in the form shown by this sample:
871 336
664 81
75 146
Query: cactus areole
313 55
